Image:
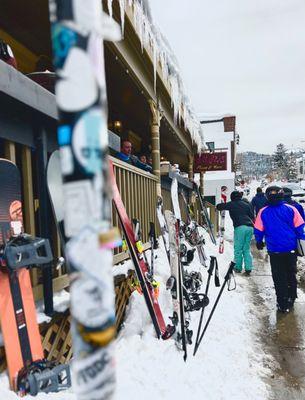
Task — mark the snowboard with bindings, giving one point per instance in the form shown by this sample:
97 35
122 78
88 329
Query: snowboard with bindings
162 330
28 371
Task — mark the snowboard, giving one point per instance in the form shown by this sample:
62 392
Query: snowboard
162 331
56 195
17 307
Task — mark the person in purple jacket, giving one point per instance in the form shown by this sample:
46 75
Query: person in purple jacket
281 225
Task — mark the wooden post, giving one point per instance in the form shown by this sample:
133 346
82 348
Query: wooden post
191 166
10 151
155 142
202 183
28 197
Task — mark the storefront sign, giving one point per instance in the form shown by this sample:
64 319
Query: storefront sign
211 162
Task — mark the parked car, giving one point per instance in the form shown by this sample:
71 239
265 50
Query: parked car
298 193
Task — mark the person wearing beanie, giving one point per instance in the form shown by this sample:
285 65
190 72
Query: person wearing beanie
281 225
241 213
259 200
288 199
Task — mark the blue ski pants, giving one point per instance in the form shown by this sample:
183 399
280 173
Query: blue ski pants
242 252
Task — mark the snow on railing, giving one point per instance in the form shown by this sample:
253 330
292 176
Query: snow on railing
152 39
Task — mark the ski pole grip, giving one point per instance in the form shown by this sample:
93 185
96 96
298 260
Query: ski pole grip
212 265
230 271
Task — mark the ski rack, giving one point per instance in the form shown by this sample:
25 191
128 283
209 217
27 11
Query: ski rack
43 376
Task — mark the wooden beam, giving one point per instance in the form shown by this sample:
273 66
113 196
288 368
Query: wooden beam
10 151
28 195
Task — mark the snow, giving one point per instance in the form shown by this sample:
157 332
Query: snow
228 363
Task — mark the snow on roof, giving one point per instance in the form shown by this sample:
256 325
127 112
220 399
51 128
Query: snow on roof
212 117
151 38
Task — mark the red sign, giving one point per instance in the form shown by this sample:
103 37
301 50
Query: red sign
211 162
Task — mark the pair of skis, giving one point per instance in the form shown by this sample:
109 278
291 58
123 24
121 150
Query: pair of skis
222 220
142 269
205 215
192 235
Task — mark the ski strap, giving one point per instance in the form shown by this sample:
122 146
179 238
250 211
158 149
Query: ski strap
214 263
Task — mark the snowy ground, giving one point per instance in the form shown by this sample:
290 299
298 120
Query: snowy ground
226 365
230 364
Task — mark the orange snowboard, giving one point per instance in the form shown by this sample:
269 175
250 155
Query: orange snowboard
18 324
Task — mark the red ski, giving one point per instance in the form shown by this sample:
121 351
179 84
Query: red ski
141 268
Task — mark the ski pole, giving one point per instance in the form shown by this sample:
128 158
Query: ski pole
226 279
210 272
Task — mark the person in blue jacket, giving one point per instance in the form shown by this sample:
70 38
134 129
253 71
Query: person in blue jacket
288 199
125 155
259 200
281 225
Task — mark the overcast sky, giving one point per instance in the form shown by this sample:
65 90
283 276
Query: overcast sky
245 57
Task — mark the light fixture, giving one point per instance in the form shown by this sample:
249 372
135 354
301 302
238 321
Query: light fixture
117 125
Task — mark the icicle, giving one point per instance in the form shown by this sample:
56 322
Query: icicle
122 11
130 3
155 64
110 7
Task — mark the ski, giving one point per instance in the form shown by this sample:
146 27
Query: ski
173 223
163 226
20 330
153 246
175 283
204 213
162 331
222 220
78 30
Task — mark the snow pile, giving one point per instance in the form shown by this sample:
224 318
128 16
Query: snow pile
152 40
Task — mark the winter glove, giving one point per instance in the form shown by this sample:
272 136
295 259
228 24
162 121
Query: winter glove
260 245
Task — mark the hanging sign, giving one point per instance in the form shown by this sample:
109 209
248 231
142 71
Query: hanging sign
211 162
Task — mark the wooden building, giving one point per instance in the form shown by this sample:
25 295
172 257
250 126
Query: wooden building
140 108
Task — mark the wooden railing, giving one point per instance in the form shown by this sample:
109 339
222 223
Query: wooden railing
138 189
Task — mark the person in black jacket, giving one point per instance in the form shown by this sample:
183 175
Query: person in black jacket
259 200
241 213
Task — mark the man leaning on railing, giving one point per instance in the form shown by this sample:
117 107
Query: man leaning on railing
125 155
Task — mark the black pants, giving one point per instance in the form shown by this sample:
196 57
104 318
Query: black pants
284 268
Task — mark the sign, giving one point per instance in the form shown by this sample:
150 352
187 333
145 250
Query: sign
211 162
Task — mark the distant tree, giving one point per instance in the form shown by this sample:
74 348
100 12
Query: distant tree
280 161
292 169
